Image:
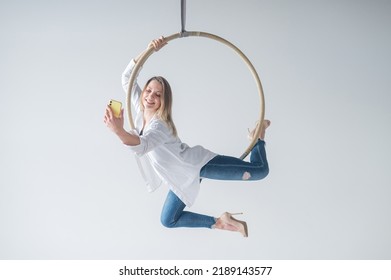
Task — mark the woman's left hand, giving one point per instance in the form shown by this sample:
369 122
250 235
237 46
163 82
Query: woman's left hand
158 43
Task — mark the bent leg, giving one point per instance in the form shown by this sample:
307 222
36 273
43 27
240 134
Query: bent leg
173 215
232 168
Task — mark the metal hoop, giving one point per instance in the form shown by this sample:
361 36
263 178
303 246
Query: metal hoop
150 51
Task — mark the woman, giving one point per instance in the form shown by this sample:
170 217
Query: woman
164 159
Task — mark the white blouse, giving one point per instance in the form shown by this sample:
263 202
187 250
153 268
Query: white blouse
162 158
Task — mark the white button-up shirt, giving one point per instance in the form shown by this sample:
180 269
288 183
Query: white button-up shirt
162 158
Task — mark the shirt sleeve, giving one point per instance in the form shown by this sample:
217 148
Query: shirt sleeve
136 90
157 134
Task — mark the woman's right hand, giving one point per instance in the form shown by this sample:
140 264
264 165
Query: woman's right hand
157 44
113 123
117 126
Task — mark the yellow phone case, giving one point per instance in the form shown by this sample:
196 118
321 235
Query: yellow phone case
115 107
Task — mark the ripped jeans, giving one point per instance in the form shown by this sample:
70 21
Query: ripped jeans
218 168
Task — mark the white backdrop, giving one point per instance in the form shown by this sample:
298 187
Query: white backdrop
70 190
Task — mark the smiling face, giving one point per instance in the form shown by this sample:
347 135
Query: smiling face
156 99
152 94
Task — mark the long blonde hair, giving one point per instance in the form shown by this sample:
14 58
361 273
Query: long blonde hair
165 110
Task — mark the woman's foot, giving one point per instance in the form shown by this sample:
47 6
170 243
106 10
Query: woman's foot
227 222
262 131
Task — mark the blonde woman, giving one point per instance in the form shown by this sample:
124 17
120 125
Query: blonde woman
165 160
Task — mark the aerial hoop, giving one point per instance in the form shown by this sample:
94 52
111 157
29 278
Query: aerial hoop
184 33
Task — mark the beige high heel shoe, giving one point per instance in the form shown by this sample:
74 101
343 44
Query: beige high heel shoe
265 125
232 224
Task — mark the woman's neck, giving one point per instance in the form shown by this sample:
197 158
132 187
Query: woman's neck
148 116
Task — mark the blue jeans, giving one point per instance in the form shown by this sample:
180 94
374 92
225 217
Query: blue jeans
219 168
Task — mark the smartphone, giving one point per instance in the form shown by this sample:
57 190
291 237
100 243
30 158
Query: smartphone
116 107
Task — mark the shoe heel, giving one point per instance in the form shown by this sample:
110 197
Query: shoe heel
245 232
243 229
234 214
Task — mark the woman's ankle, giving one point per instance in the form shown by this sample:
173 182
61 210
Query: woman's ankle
265 125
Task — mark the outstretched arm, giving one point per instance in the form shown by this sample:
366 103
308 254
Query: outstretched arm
117 126
157 44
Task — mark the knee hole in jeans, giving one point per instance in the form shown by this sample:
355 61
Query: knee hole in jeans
246 175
